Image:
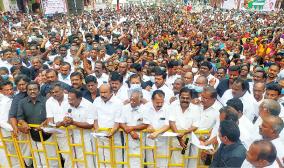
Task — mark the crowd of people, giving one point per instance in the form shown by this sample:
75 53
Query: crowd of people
152 69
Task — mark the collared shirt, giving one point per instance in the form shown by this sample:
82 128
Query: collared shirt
250 107
66 79
5 104
14 106
122 93
55 110
184 120
168 92
209 116
229 155
83 113
32 113
108 113
131 116
171 79
280 149
102 79
247 131
157 119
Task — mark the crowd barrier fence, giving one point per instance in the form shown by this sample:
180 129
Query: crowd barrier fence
12 147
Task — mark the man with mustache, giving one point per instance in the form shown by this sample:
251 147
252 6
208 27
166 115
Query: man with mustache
98 73
183 115
155 115
108 109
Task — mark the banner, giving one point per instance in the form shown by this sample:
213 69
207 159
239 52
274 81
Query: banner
54 6
269 5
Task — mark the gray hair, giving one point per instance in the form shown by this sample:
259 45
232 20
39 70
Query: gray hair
272 106
276 123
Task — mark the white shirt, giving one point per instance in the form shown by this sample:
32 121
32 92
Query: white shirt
280 149
131 116
66 80
247 164
108 113
184 120
209 117
168 92
5 104
122 93
102 79
209 78
250 105
248 134
171 79
84 112
55 110
157 119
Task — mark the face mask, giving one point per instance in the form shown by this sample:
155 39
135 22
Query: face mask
135 86
56 66
282 91
194 70
5 77
198 89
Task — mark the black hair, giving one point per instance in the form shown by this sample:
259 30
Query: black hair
66 63
136 66
172 64
158 92
78 94
244 84
33 83
51 70
160 72
230 129
231 113
90 78
115 76
234 68
236 103
4 83
274 86
76 74
206 64
267 152
23 77
264 75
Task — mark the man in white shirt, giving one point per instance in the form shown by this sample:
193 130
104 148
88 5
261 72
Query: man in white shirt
182 117
258 76
155 115
172 76
240 90
98 73
261 153
119 90
160 79
81 114
64 73
135 83
108 109
7 92
258 92
55 106
205 70
131 122
273 91
270 129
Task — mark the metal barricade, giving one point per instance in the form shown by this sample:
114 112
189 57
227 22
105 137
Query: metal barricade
79 149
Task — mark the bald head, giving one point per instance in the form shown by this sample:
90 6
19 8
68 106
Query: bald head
258 90
275 122
201 81
188 78
105 92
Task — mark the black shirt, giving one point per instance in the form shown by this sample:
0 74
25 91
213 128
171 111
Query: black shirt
88 96
32 113
229 155
14 106
222 87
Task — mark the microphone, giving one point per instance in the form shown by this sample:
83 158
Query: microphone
186 142
69 113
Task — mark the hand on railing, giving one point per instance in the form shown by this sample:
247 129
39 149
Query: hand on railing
24 128
134 135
